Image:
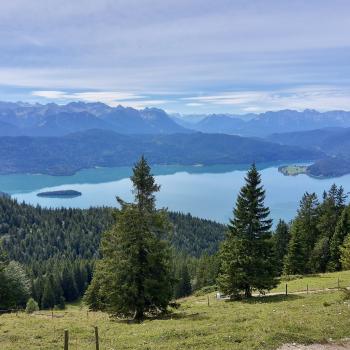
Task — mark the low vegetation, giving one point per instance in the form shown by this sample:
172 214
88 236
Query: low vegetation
260 323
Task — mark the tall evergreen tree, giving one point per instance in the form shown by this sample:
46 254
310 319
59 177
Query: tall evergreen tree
70 290
134 273
183 286
281 239
295 260
341 231
48 297
247 260
329 212
304 235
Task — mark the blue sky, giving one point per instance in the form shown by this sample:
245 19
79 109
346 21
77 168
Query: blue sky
187 56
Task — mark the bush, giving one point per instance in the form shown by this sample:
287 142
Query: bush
32 306
205 290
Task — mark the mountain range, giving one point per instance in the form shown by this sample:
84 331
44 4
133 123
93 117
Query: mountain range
61 139
24 119
264 124
21 119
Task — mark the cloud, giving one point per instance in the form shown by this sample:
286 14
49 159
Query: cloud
300 98
104 49
111 98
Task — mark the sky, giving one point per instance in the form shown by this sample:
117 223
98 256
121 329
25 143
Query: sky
185 56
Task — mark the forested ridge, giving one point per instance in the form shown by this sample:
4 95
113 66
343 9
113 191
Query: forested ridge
58 247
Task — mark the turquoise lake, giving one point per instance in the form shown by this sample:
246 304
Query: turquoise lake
208 192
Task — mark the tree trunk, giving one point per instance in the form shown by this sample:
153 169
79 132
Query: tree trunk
139 314
247 292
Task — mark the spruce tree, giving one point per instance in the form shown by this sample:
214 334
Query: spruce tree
304 235
134 273
281 239
247 259
341 231
183 287
325 251
48 297
295 260
70 290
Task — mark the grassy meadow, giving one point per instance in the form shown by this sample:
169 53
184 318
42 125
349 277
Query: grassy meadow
261 323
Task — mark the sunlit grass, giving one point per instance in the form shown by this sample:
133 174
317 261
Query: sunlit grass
261 323
315 282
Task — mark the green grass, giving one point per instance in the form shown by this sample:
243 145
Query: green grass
315 282
261 323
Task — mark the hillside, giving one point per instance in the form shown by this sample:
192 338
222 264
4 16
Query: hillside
261 323
329 167
33 234
67 154
334 142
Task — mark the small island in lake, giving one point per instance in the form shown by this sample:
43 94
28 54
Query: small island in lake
60 194
293 170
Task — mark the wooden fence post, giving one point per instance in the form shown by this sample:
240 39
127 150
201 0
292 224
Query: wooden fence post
338 284
97 339
208 301
66 339
286 289
307 289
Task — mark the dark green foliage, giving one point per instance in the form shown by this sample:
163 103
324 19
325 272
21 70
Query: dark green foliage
281 239
133 276
48 299
64 243
341 231
14 285
247 260
304 234
295 260
69 286
206 271
318 231
183 285
196 236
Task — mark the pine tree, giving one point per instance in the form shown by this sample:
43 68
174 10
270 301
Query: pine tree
281 239
134 273
247 260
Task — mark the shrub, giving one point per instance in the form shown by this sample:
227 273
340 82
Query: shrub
206 290
32 306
